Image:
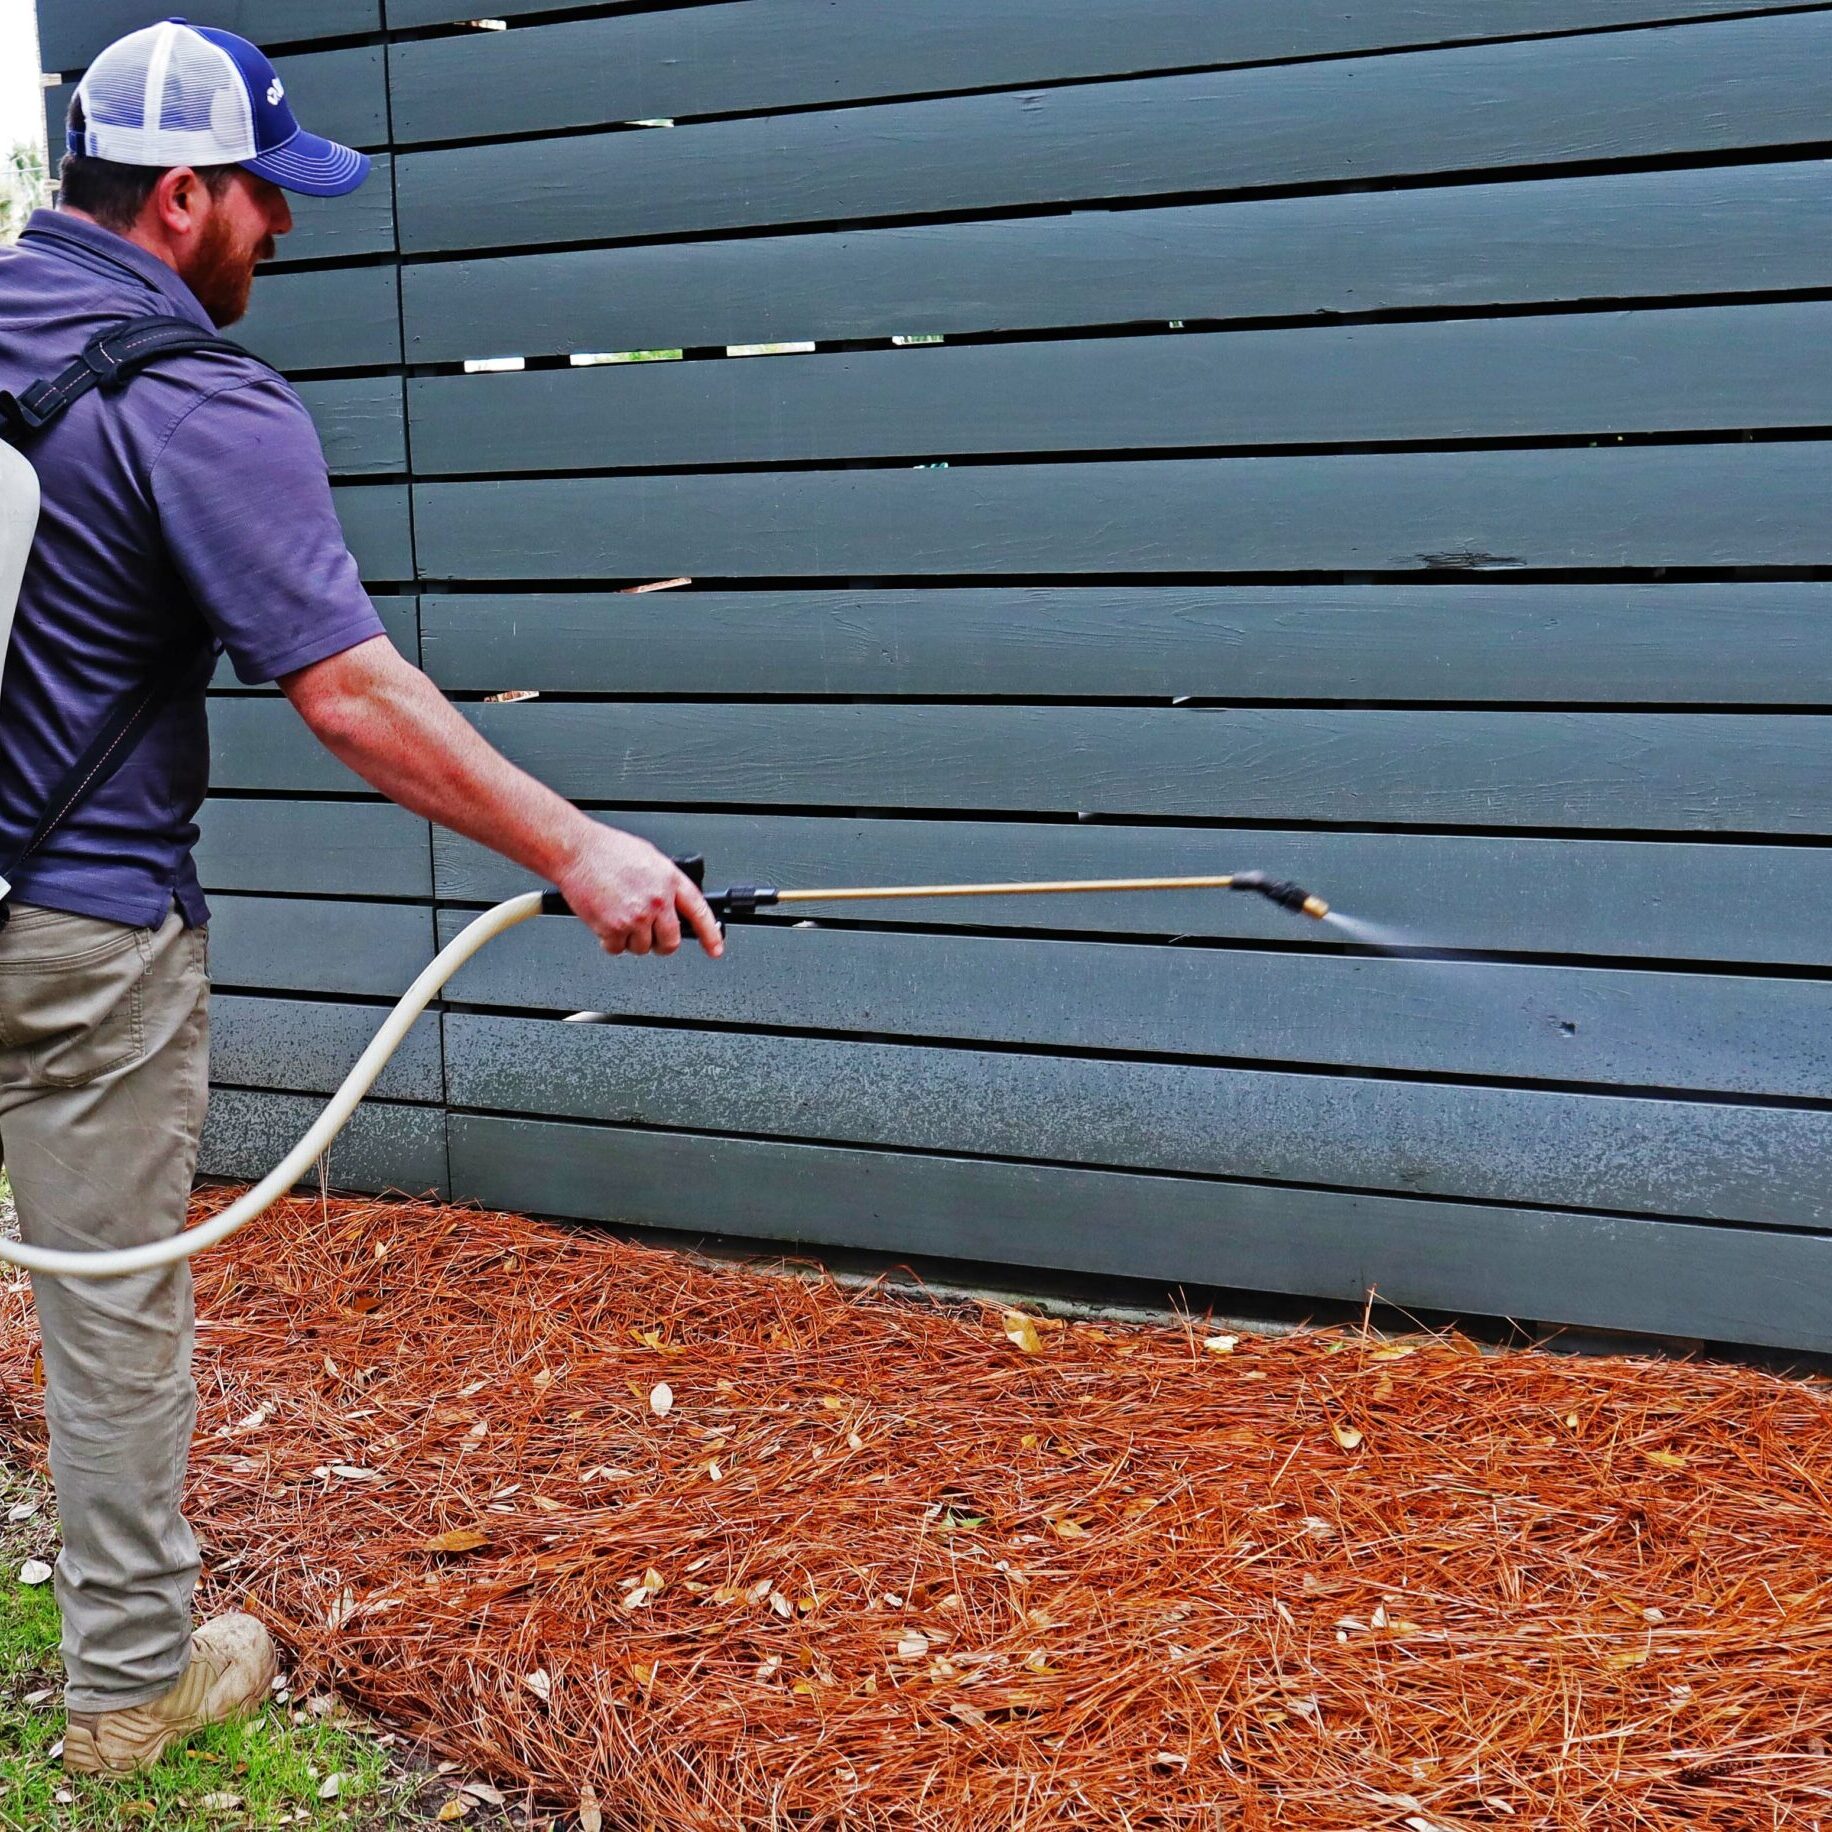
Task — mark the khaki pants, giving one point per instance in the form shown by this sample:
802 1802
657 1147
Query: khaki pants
104 1074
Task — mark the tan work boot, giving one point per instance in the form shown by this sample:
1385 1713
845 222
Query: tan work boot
232 1670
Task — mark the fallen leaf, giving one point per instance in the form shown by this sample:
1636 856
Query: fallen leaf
1629 1657
1221 1345
767 1669
539 1683
1021 1332
353 1473
24 1510
455 1808
913 1645
482 1790
227 1803
661 1399
34 1571
1667 1459
1068 1529
591 1818
1393 1351
330 1787
781 1604
833 1402
459 1539
1346 1435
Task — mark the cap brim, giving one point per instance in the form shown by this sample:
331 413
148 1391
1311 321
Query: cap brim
312 166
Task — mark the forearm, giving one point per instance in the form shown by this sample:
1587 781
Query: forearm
386 721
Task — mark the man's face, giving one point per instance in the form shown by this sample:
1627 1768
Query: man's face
245 219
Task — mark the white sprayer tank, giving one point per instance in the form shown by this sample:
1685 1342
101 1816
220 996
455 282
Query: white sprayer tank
18 523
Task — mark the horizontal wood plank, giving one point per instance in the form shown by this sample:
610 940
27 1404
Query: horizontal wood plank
1696 506
324 849
386 1146
377 523
1707 1160
1745 84
291 944
1727 368
361 423
325 318
766 54
1628 235
1765 643
1648 900
306 1047
1607 1027
71 32
1703 772
343 228
1662 1277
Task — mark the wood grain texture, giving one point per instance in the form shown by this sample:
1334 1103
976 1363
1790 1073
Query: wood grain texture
1710 369
767 54
325 318
1311 27
1655 1276
326 849
1745 83
306 1047
362 423
1701 773
1650 900
339 228
386 1146
377 523
290 944
1697 506
1605 1027
1706 1160
70 32
1770 644
1628 235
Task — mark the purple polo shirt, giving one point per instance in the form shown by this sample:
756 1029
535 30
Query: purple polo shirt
193 506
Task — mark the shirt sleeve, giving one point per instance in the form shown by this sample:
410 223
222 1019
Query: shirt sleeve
244 500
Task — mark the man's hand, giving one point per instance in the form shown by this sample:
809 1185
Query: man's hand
380 715
633 898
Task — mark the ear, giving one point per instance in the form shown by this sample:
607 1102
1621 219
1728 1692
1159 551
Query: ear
180 202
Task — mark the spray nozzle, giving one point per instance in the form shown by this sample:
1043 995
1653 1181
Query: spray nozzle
1283 892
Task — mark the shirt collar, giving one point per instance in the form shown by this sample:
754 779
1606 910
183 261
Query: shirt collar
73 237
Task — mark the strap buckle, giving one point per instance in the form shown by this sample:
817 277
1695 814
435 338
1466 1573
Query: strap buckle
102 363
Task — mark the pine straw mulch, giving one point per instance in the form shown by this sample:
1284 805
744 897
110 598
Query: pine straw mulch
705 1547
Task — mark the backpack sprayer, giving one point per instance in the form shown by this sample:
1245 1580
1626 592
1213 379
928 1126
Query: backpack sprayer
110 361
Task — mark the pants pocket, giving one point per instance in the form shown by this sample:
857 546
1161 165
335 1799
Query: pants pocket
72 996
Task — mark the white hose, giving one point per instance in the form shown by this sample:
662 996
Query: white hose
117 1262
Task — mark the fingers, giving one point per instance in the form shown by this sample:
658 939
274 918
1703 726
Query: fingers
667 932
693 906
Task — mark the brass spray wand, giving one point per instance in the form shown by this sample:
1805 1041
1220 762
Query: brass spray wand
744 900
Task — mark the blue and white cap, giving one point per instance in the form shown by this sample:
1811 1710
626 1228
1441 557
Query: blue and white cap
183 94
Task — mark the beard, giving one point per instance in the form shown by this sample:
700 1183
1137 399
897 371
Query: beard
221 272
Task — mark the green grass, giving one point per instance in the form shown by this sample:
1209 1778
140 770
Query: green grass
266 1772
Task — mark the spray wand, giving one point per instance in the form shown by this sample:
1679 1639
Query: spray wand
743 901
740 903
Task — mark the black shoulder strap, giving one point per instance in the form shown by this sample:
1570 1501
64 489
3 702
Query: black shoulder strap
110 360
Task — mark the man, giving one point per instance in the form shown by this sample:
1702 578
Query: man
191 506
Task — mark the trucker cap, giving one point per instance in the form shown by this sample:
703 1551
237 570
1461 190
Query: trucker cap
183 94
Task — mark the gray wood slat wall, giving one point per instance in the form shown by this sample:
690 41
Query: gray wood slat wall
1387 446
